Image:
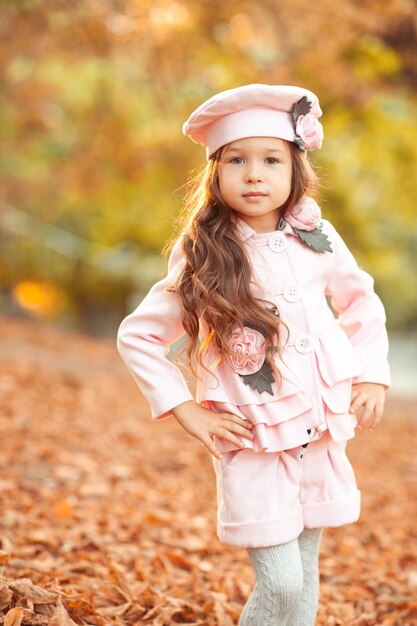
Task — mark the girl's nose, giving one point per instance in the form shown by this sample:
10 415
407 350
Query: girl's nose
253 174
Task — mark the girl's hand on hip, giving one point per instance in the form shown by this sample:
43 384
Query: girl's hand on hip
372 397
203 424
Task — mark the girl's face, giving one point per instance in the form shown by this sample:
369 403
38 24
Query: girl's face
255 179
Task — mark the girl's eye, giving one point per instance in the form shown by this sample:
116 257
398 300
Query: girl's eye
271 160
237 160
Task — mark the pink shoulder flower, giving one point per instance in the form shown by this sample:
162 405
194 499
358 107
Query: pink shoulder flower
306 215
305 219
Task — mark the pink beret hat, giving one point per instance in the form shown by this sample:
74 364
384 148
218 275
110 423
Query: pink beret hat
281 111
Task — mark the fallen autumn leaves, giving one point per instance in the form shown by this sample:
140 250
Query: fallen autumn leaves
109 519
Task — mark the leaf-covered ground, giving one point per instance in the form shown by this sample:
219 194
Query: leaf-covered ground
107 518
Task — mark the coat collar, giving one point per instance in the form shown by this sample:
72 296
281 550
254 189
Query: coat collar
246 232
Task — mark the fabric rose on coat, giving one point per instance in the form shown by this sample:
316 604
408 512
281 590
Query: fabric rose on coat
250 348
310 130
306 215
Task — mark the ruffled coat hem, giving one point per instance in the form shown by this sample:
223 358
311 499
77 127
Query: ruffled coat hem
291 419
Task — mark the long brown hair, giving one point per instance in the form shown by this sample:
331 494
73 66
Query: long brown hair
214 284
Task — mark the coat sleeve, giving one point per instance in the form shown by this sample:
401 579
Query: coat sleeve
361 312
143 342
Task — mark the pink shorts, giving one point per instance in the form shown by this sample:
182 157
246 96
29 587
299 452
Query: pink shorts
267 498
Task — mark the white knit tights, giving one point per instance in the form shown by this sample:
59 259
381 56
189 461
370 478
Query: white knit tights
286 591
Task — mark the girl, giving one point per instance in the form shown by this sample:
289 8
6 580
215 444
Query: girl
281 370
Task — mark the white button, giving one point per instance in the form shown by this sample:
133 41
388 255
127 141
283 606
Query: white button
277 242
304 344
292 293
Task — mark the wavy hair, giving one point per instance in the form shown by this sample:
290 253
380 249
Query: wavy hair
213 287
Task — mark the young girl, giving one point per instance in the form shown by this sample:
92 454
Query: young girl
281 370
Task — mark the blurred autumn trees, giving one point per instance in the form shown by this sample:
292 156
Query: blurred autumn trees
93 161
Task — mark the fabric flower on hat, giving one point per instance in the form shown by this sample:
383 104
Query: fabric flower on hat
249 346
306 215
310 130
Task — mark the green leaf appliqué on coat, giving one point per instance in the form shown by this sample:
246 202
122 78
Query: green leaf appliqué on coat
314 239
261 380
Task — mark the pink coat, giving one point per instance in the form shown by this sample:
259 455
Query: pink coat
325 352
